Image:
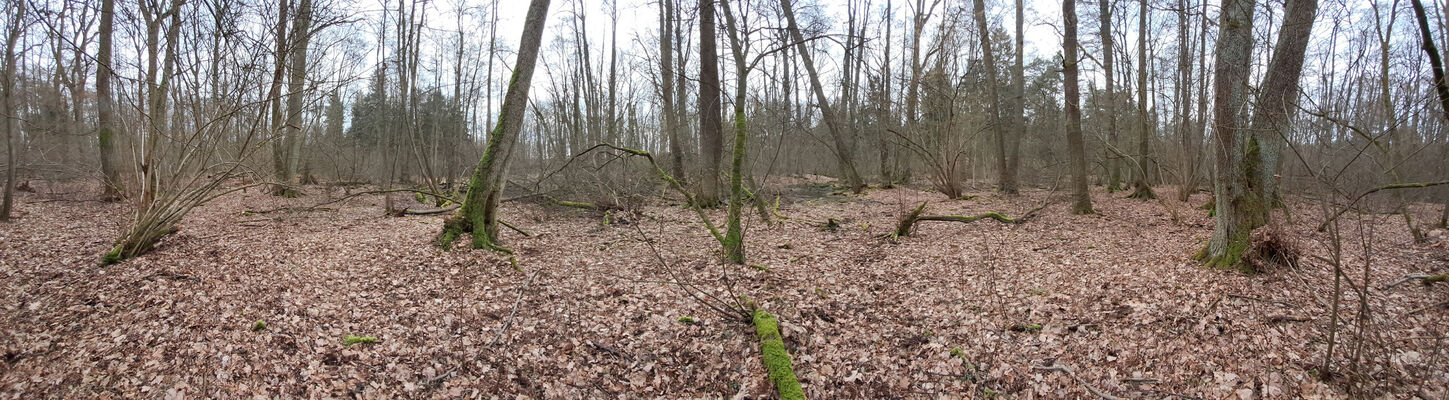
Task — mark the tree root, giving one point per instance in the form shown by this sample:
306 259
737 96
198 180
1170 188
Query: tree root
908 222
777 360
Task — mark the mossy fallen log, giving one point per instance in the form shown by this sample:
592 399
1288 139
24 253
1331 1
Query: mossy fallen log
777 360
908 221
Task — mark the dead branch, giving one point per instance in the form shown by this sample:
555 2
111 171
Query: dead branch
430 211
1063 368
908 221
516 302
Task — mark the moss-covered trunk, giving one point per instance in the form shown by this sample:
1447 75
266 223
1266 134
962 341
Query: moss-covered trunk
734 241
777 360
1237 210
479 214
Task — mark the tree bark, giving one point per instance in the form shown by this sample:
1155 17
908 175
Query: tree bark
296 88
479 214
105 107
1141 189
1114 163
1272 118
710 129
1237 210
7 106
1081 199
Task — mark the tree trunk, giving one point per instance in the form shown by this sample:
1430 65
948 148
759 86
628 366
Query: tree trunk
843 155
1009 177
7 106
280 171
734 242
1114 163
1441 86
710 135
666 88
993 101
105 108
1140 188
479 213
1081 199
1237 210
296 87
1272 116
1188 184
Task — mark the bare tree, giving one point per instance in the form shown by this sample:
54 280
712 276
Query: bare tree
13 31
1237 209
1114 163
1141 189
1081 198
993 101
479 214
711 137
105 113
843 156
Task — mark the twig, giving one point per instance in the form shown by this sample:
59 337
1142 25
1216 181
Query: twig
1279 303
516 302
1063 368
1407 278
1426 308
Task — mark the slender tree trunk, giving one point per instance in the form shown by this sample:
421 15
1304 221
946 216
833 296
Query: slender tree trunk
734 243
666 88
105 113
1441 86
1009 178
711 137
993 101
280 171
1114 163
1081 199
7 106
843 156
886 115
296 88
479 213
1238 210
1141 189
1188 184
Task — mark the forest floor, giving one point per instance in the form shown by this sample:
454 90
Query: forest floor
953 311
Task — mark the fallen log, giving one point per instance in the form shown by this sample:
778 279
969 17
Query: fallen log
908 221
776 359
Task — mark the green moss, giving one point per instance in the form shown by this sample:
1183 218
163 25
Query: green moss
1436 279
760 267
112 257
831 225
258 326
352 339
777 360
1232 256
687 320
956 352
1029 328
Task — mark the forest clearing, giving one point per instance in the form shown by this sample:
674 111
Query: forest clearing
742 199
954 310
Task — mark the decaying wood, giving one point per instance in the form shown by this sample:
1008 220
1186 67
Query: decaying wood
908 221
